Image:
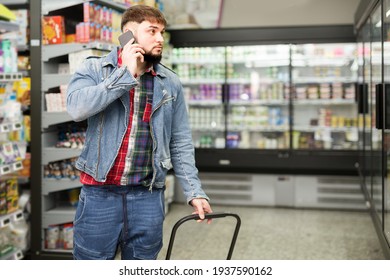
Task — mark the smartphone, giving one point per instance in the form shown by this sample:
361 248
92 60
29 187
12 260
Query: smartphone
124 38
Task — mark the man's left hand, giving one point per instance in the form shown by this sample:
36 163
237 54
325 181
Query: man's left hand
201 207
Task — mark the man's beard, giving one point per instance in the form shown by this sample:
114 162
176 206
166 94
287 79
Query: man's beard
152 58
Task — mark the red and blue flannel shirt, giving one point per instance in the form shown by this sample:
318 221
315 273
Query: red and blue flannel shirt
133 164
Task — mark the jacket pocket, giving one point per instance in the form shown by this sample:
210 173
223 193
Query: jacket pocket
80 208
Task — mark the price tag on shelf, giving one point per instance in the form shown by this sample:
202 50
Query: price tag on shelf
17 216
5 169
17 166
4 221
4 128
17 126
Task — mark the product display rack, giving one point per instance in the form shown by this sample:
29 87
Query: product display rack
49 208
9 169
5 221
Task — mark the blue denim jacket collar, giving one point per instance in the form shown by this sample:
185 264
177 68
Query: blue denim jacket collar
112 60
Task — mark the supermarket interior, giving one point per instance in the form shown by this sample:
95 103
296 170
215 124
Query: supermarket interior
286 103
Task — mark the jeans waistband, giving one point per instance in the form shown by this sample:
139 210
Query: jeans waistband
113 189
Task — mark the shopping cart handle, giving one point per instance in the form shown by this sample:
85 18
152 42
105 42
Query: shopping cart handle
214 215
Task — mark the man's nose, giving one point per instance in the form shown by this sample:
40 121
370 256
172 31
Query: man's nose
160 37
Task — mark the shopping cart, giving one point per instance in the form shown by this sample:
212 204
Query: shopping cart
207 216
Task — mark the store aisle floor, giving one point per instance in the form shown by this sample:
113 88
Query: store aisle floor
275 233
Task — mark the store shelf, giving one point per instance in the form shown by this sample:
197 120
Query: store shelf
60 215
54 185
56 154
257 129
6 169
54 80
53 118
266 63
15 254
5 220
196 81
319 80
14 2
324 102
319 128
25 73
248 81
8 127
258 102
52 51
70 251
9 77
307 61
6 26
277 59
49 5
23 48
208 129
205 103
200 61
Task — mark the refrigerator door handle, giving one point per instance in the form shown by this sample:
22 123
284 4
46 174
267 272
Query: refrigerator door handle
361 97
382 106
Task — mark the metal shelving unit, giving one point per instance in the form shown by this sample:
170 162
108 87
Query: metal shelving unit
49 6
52 51
9 170
46 191
6 26
56 185
53 118
54 80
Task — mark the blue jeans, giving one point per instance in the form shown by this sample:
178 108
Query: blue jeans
111 216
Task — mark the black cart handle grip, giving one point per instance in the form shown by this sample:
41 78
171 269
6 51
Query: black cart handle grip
215 215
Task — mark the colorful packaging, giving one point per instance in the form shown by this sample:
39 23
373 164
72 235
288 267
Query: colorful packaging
53 29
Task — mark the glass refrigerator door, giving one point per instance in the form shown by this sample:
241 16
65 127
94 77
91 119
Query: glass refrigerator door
361 91
325 112
386 52
376 137
365 121
257 82
202 73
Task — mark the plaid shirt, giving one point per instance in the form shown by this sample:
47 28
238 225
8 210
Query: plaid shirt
133 164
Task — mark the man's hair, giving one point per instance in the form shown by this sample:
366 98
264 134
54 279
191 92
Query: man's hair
140 13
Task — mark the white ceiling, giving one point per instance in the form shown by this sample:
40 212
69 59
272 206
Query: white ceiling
263 13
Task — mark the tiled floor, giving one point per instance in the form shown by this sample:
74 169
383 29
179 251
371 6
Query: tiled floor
275 233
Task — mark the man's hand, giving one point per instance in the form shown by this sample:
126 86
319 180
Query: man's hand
132 57
201 207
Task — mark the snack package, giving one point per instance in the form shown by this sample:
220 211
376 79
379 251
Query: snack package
53 29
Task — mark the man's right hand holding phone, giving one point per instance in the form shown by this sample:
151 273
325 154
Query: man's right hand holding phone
132 58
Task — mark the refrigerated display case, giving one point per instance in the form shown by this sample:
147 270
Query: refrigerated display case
202 72
386 70
257 91
325 112
288 107
375 84
372 28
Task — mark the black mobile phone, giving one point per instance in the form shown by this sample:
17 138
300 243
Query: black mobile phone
124 38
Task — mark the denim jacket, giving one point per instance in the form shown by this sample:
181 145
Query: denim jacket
99 92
